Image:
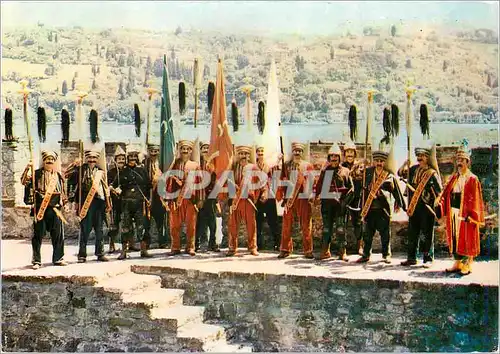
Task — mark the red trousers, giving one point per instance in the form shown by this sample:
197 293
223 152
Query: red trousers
303 210
187 213
244 212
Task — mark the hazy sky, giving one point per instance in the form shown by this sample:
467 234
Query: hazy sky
322 17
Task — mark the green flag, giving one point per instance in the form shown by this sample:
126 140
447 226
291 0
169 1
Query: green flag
167 138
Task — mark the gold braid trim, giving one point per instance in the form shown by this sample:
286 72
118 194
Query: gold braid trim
373 193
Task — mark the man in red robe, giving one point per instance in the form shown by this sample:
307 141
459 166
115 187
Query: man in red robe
295 206
242 207
462 207
184 208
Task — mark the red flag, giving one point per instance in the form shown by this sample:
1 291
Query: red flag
221 145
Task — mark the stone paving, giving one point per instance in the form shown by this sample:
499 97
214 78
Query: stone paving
16 257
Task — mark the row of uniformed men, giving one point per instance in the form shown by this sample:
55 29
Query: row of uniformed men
132 198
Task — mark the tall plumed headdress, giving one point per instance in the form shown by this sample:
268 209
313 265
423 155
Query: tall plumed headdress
137 120
261 117
9 135
94 126
353 123
386 124
395 119
234 115
424 120
42 124
210 95
182 97
65 124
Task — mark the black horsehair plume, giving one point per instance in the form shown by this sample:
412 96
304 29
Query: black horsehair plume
353 124
42 124
424 120
94 134
386 124
210 95
182 97
395 119
234 116
261 117
65 122
137 120
8 124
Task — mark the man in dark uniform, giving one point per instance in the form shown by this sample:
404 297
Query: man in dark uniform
113 178
157 209
334 179
353 199
267 210
207 214
376 211
423 187
134 184
95 201
49 198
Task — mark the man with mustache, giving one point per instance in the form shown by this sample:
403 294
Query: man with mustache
207 215
268 208
462 206
156 210
135 184
115 192
334 179
48 199
242 207
376 211
183 208
353 198
424 186
295 206
94 204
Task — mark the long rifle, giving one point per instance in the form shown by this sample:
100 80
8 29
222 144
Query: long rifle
25 91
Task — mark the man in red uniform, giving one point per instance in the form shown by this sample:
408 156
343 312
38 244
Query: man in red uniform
242 207
184 208
462 207
295 206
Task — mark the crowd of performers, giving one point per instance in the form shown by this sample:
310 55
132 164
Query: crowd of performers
363 195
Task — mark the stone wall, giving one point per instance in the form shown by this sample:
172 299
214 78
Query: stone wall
298 313
71 316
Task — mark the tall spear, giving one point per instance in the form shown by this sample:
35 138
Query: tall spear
409 93
25 91
197 86
150 91
369 114
247 89
80 125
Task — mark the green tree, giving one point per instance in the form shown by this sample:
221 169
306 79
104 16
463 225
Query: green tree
393 30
